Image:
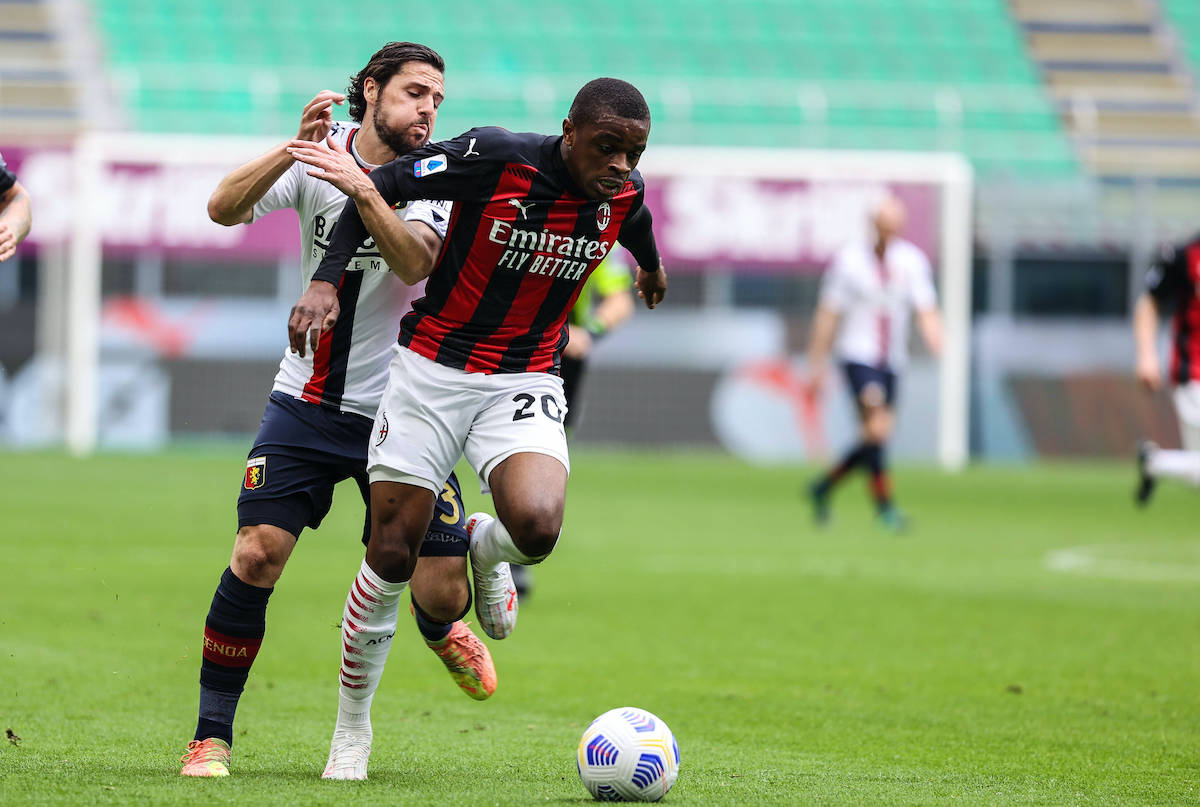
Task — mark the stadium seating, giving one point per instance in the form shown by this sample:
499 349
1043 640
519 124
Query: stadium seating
1185 16
905 74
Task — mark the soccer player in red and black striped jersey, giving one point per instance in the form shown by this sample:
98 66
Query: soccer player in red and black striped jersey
476 366
1173 282
15 212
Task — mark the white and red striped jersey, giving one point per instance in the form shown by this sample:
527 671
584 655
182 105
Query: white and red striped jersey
348 370
875 299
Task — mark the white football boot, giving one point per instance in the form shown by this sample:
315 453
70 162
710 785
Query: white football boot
495 594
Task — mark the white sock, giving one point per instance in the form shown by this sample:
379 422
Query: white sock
1181 465
368 625
493 544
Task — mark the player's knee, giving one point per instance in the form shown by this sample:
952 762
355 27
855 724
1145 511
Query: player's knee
392 560
536 532
258 559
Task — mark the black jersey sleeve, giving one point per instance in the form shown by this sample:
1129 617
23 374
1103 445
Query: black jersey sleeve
7 178
1167 277
637 235
456 170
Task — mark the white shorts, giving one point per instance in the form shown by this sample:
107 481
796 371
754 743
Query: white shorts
1187 408
431 415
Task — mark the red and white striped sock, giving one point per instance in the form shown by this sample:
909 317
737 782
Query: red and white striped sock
368 625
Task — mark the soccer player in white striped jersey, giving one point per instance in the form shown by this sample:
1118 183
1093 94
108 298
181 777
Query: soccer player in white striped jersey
319 419
865 300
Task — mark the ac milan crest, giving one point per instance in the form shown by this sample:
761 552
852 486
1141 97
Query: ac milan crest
603 216
383 428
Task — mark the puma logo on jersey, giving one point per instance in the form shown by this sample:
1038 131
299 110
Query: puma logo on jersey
523 208
471 149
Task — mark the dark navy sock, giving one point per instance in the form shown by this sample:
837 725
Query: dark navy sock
233 633
849 462
430 628
881 486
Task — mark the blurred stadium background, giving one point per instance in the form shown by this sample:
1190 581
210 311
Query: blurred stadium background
1078 118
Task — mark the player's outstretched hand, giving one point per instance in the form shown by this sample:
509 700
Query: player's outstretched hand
8 242
317 118
332 163
314 313
652 286
1149 374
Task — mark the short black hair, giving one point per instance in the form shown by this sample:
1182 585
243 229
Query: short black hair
610 95
387 62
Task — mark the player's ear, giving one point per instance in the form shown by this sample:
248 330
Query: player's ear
568 132
370 90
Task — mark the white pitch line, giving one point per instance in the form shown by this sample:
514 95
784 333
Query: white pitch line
1089 561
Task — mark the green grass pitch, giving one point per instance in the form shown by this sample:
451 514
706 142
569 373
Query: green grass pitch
1032 640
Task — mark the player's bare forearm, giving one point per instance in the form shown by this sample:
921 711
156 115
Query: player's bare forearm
1145 328
314 313
614 310
820 340
16 217
651 286
929 321
234 199
409 249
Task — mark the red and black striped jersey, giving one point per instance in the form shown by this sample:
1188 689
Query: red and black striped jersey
1174 280
521 242
7 178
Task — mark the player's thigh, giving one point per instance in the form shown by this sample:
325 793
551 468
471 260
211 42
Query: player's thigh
422 422
287 492
525 416
1187 408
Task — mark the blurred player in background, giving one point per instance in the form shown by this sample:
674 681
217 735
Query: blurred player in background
865 300
318 421
1174 282
476 369
604 305
16 214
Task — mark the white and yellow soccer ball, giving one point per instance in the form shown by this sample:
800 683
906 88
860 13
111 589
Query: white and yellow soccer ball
628 754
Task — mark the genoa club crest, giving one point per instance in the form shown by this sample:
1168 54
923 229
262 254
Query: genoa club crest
603 216
256 473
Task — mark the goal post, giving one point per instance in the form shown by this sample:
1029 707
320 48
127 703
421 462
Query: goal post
93 159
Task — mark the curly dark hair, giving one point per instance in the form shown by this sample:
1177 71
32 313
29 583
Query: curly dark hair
608 95
387 62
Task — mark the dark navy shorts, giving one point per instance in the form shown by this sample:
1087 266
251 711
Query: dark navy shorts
302 450
872 386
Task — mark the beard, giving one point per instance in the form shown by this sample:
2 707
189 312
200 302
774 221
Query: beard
398 140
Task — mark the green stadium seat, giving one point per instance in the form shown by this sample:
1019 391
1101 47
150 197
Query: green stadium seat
879 64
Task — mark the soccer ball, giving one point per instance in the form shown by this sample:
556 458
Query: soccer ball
628 754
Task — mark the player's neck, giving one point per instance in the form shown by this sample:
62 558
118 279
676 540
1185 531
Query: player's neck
370 148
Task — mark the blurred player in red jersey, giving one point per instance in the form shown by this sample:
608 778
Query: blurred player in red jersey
476 370
1173 282
318 420
866 296
16 213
